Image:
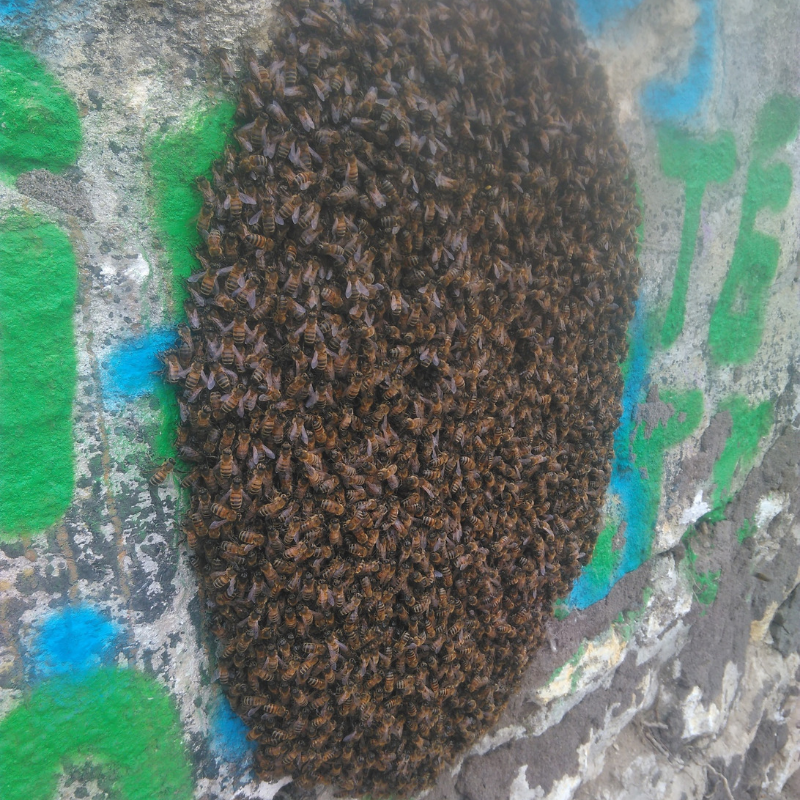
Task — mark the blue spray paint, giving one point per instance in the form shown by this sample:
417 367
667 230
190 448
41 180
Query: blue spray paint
15 9
596 14
627 484
662 100
677 102
228 733
73 640
130 371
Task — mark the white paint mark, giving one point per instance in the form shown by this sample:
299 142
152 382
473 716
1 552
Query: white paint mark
138 269
494 740
563 789
699 508
261 791
702 721
520 789
768 508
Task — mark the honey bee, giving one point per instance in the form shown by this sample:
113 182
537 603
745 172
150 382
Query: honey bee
213 243
332 296
290 210
304 118
161 474
332 507
310 217
354 387
204 219
373 479
343 196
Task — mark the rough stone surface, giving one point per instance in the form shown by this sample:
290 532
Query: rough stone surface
673 674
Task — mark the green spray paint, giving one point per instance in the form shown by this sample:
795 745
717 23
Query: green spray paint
163 447
573 662
120 720
749 426
599 572
560 609
176 158
648 457
705 585
747 530
37 374
39 123
738 318
696 163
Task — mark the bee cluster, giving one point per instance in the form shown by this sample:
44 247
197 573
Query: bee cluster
400 373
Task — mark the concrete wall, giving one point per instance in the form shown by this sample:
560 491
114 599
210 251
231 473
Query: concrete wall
672 667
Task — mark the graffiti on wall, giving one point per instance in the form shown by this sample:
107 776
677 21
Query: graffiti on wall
72 674
78 707
81 707
735 324
734 337
39 127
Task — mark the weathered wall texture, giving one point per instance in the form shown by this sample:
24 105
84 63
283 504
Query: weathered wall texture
673 667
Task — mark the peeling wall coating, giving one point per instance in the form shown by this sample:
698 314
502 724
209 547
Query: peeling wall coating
671 672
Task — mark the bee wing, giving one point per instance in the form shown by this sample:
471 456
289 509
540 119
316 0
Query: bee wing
313 397
196 394
214 349
294 157
198 299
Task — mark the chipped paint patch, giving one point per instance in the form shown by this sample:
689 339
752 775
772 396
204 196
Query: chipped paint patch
701 720
520 790
594 660
498 738
759 628
768 508
699 508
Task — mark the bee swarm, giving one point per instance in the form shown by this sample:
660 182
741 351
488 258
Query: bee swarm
400 373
